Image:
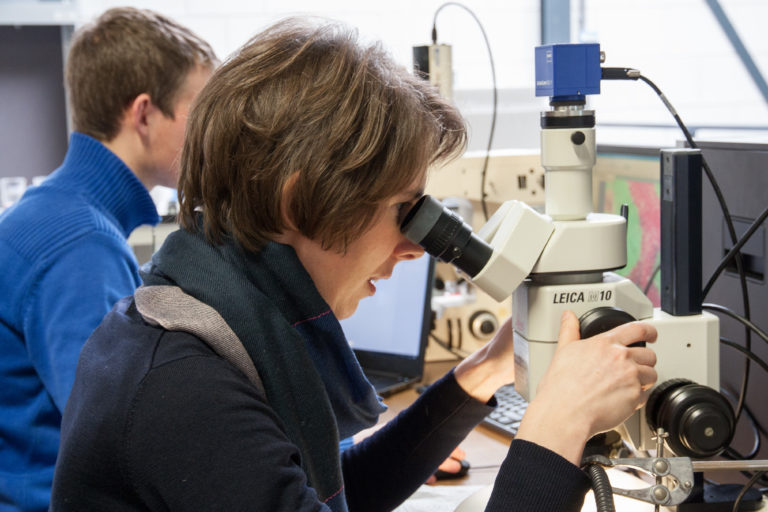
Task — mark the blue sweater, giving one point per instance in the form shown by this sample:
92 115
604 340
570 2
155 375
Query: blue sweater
66 262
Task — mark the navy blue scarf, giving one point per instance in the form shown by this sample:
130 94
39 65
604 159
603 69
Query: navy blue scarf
311 377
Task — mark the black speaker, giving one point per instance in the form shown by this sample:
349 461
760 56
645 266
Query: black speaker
681 231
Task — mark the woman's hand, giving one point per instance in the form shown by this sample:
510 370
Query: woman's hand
590 386
483 372
450 465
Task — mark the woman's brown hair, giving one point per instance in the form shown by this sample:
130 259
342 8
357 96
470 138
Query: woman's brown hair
306 98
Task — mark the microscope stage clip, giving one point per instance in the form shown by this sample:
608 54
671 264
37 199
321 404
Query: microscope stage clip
679 469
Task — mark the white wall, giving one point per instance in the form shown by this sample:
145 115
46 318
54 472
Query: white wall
512 27
676 43
679 45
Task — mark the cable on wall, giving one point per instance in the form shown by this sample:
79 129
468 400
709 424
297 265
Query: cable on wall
495 95
633 74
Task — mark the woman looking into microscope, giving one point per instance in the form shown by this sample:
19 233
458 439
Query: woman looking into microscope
225 382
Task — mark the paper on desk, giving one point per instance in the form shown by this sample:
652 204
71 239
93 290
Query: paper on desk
437 498
477 501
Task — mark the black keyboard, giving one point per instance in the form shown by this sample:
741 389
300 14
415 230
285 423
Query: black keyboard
506 417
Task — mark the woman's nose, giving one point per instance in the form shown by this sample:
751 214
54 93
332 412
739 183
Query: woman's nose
407 250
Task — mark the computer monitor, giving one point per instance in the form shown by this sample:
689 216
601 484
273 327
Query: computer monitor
630 175
741 170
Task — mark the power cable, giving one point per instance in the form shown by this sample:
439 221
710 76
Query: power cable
635 75
748 353
444 345
744 321
731 452
730 394
495 95
734 250
650 279
744 490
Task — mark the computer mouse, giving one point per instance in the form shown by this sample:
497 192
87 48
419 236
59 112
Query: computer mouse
447 475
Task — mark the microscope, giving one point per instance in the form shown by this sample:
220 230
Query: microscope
565 258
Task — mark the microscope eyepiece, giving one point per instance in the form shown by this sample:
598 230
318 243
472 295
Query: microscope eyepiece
444 235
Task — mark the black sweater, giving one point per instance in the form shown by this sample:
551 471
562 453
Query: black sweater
158 421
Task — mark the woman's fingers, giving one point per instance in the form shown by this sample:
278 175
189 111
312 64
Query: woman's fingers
569 328
647 377
642 355
632 332
450 465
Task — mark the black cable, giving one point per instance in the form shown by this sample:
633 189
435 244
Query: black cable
756 429
747 323
601 486
754 357
490 466
495 95
707 170
443 344
731 453
760 426
705 165
634 74
650 280
744 490
735 249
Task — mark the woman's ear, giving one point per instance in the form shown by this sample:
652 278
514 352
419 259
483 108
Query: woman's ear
286 200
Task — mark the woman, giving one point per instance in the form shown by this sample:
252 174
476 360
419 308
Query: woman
226 382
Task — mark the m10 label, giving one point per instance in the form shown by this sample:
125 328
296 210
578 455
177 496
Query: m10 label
583 296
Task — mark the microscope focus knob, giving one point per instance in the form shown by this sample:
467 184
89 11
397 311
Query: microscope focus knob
578 138
483 324
599 320
699 420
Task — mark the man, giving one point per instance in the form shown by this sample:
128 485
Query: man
131 78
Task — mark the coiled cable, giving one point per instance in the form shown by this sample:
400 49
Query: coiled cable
601 486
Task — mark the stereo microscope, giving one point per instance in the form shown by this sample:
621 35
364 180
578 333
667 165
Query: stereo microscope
565 258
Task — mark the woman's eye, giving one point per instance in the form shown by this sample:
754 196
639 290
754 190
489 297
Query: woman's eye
402 211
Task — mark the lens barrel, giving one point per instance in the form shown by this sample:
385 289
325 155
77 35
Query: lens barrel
444 235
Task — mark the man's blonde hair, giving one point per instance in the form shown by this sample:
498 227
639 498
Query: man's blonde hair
126 52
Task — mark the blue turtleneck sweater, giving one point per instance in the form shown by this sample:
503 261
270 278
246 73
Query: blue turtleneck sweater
65 261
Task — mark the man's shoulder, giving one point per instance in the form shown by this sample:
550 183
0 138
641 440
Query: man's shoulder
48 218
46 205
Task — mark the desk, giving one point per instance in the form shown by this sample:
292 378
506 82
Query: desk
485 450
